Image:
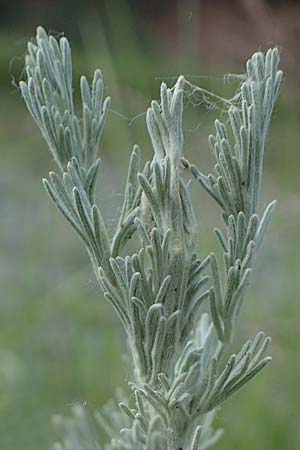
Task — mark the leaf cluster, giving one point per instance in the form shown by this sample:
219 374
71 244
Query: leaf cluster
181 368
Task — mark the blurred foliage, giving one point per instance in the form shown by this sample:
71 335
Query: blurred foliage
59 341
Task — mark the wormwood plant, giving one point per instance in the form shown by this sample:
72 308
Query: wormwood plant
182 367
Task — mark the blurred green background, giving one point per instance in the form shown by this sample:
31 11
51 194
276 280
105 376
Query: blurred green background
59 341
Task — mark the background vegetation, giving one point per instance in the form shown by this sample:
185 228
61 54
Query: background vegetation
59 341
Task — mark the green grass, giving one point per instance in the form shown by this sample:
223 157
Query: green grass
59 341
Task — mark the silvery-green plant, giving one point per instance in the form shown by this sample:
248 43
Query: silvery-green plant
179 312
